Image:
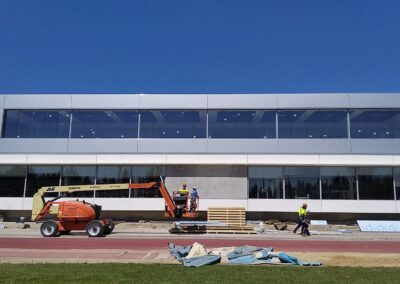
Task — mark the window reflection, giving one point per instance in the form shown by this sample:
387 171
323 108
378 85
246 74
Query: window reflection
338 183
12 181
39 176
113 174
375 183
36 124
241 124
173 124
265 182
375 124
79 175
312 124
104 124
301 182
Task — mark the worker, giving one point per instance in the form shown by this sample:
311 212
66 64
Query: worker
183 191
194 197
302 215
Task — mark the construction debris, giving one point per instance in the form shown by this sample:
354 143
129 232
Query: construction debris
238 255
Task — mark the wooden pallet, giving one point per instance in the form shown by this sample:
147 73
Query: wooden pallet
233 216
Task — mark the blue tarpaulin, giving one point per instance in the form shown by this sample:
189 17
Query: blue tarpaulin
239 255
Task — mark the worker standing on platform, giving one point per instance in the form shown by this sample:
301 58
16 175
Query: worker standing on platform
183 190
194 197
302 215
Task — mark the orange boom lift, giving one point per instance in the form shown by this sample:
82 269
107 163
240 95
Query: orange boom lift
62 217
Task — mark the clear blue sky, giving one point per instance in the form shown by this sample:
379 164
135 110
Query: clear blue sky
199 46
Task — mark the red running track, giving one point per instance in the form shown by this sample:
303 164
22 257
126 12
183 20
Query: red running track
159 244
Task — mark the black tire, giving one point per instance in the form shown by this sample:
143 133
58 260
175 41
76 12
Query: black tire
49 229
95 228
110 227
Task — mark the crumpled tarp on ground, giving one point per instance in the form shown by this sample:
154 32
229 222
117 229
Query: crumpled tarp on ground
239 255
181 253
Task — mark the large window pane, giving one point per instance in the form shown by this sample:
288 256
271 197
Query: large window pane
36 124
79 175
338 183
142 174
396 174
265 182
375 124
172 124
39 176
301 182
241 124
12 181
312 124
113 174
375 183
104 124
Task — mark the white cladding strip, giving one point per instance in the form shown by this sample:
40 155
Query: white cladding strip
200 159
252 205
203 101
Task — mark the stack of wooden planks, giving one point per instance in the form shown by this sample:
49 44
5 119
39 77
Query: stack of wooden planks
233 218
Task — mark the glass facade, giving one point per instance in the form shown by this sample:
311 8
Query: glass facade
338 183
375 183
79 175
301 182
241 124
265 182
312 124
39 176
12 181
229 124
173 124
36 124
375 123
113 174
141 174
104 124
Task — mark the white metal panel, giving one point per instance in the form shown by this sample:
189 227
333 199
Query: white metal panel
131 204
315 146
206 160
13 159
357 160
167 101
242 101
139 159
111 145
242 145
375 146
111 101
306 160
172 145
374 100
56 101
14 203
1 101
283 205
312 101
37 159
206 203
33 145
359 206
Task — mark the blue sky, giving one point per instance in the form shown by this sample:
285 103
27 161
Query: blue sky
199 46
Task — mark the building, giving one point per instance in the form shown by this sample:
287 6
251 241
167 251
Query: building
269 153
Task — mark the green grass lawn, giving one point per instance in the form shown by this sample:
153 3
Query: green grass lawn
162 273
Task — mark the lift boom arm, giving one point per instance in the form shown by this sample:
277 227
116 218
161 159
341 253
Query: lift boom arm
39 201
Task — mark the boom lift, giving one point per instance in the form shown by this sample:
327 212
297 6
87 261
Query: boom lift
61 217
